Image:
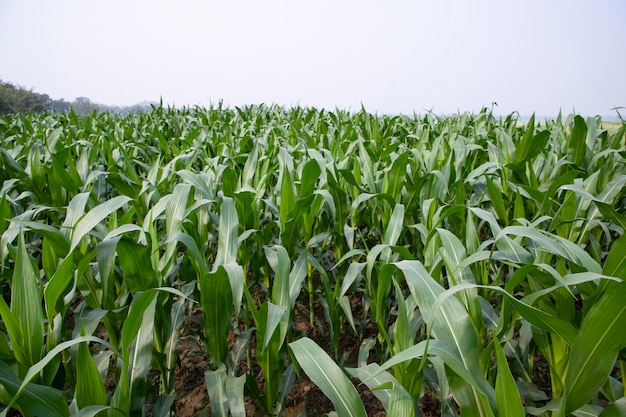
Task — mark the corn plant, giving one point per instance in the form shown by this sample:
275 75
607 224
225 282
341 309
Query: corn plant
483 255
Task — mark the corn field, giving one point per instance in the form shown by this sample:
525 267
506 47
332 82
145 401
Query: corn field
479 252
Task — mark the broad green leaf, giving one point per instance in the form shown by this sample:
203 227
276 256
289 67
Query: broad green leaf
296 276
174 216
106 262
576 146
610 213
287 197
533 147
75 210
595 349
450 323
163 405
451 358
89 387
394 228
328 377
525 146
310 174
274 317
617 409
26 306
59 241
507 396
51 355
138 275
36 400
615 264
396 176
137 344
280 262
371 376
92 411
495 196
216 386
237 282
216 301
235 395
401 403
95 216
193 250
228 232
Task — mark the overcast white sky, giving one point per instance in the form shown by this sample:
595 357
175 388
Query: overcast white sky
392 56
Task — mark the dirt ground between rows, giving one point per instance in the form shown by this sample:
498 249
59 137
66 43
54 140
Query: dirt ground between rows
305 398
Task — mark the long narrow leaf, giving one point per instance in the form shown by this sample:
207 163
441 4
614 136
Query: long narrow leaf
329 377
595 349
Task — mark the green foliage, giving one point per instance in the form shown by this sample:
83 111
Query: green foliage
480 253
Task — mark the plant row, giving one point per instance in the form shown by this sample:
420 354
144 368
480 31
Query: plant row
483 250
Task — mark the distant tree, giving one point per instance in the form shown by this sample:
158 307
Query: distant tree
83 105
60 106
16 99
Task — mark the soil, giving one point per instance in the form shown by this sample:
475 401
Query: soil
304 399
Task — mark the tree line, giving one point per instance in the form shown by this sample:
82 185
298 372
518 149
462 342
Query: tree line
17 99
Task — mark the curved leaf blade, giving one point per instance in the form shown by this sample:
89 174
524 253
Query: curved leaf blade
329 377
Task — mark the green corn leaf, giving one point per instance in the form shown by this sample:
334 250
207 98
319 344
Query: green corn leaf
296 276
610 213
525 145
450 323
50 356
272 316
280 262
36 400
228 232
451 358
174 216
95 216
328 377
532 314
530 147
235 395
92 411
617 409
192 248
576 146
132 256
216 386
396 177
615 264
106 262
403 338
373 377
287 198
75 210
121 399
394 228
89 387
401 404
26 305
310 174
59 241
137 344
234 271
163 405
595 349
508 399
216 301
495 195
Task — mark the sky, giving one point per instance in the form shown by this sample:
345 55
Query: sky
393 56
